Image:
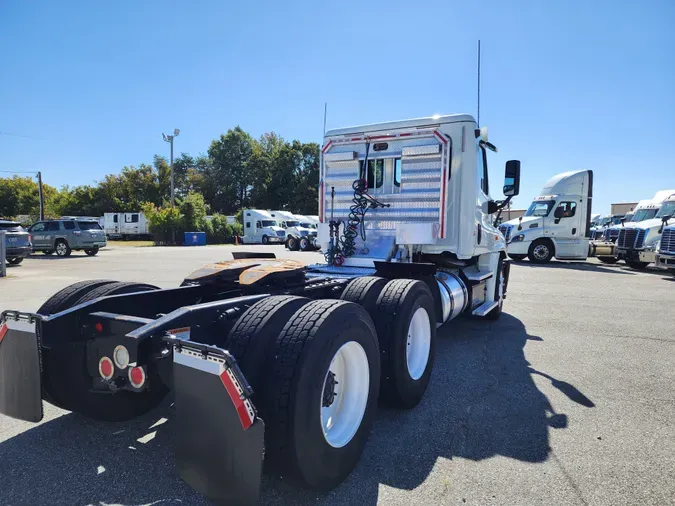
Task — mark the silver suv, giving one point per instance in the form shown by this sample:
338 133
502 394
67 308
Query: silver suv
64 236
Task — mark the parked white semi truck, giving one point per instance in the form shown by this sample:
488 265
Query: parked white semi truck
665 254
604 247
260 227
299 232
557 223
637 242
269 359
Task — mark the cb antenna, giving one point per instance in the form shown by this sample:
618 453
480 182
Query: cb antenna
478 118
325 112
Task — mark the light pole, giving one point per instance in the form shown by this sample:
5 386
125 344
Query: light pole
169 139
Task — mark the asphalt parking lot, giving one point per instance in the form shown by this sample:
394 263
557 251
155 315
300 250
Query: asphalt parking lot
568 399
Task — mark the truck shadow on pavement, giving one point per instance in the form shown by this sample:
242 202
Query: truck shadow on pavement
481 402
581 266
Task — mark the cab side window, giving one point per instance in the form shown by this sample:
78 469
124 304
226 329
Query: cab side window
482 169
258 224
69 225
52 226
569 209
248 224
38 227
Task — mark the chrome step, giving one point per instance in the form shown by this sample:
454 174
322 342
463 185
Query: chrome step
485 308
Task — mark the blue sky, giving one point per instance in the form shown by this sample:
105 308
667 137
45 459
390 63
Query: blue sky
566 85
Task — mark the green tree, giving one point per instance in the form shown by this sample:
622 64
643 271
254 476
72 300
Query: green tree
227 173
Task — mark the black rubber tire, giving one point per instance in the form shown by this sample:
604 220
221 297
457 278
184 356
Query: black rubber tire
640 266
549 256
496 313
265 239
397 303
608 260
68 296
295 445
253 338
92 252
292 244
15 261
365 291
116 288
517 258
68 383
305 244
67 251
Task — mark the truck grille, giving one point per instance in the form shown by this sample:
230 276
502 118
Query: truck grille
668 241
631 238
506 231
281 233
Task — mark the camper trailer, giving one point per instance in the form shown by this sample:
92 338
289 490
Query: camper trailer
126 225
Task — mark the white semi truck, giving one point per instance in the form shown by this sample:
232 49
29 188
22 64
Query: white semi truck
637 242
557 223
260 227
269 359
299 232
604 247
665 254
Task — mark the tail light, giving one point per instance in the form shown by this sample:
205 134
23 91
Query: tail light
137 377
106 368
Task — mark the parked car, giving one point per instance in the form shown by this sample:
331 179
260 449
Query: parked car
17 242
64 236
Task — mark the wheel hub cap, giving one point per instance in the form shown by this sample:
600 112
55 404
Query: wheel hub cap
541 251
419 343
342 408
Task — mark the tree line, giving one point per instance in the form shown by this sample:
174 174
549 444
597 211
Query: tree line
236 172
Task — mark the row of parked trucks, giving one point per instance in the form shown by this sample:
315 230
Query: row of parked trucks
271 360
296 231
558 224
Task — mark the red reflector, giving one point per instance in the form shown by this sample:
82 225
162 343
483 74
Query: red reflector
137 376
99 327
3 331
244 416
106 368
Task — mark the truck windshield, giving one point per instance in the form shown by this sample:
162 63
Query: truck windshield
643 214
307 225
540 208
616 220
667 209
269 223
292 223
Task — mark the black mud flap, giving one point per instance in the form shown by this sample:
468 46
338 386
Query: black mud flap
20 371
219 439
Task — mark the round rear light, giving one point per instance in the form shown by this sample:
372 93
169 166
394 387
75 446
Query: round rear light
121 357
106 368
137 377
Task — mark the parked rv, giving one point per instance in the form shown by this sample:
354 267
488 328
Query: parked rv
126 225
557 223
261 228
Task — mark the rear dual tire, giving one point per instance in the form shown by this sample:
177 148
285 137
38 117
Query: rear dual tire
66 381
292 244
318 391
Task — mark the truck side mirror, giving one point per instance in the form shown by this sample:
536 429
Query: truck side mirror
512 178
559 212
664 222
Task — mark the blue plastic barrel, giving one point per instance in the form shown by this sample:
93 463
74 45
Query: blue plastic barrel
194 239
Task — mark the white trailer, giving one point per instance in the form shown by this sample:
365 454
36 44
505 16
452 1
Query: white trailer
126 225
260 227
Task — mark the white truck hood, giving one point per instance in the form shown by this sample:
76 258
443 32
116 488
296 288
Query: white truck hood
527 221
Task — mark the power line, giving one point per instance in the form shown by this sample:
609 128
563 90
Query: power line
19 135
19 172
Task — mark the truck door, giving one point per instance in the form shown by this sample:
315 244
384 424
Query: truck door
568 230
258 229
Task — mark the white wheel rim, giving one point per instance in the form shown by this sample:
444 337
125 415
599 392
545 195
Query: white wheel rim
541 252
342 412
419 343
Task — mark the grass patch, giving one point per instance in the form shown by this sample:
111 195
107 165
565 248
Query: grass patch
129 244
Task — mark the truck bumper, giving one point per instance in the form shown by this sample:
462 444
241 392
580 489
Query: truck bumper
18 251
633 255
665 260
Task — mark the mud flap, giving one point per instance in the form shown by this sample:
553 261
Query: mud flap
219 439
20 371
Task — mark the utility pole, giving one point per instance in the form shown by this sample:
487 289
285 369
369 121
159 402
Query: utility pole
169 139
41 195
